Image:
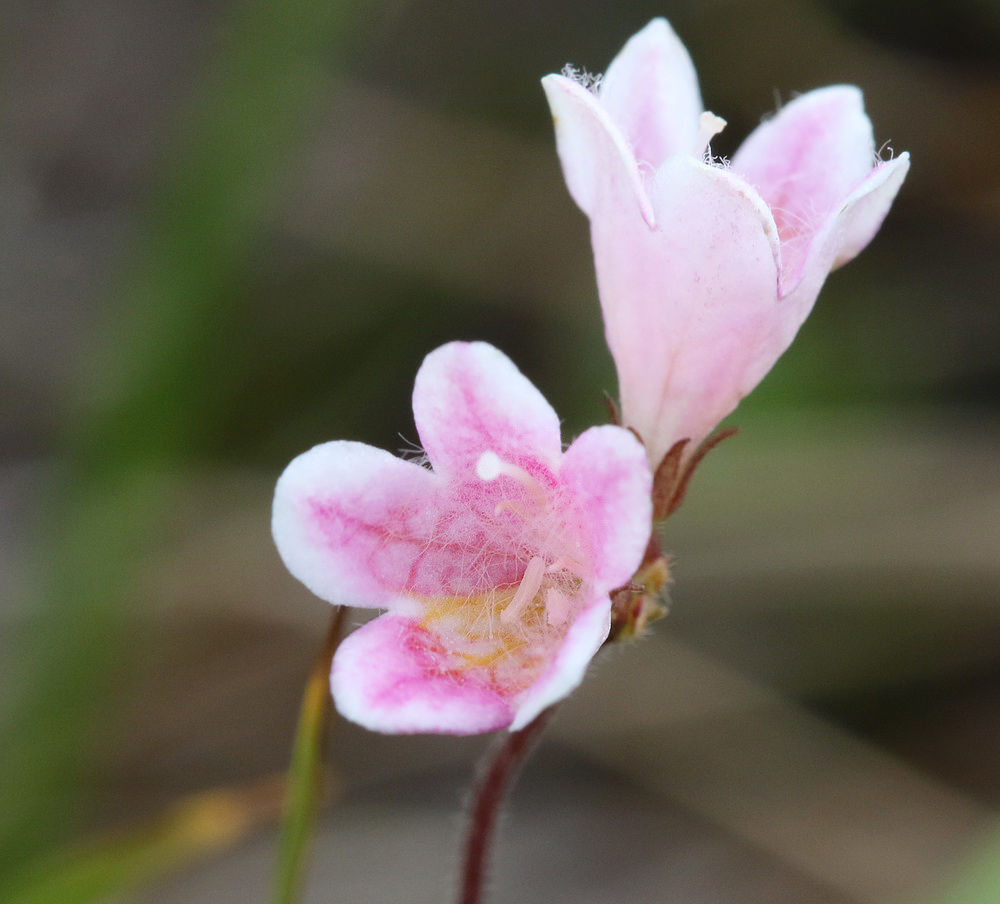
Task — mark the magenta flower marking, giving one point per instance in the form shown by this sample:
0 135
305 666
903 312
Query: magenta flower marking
706 270
494 563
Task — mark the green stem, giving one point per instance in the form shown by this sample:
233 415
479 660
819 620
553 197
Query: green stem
306 773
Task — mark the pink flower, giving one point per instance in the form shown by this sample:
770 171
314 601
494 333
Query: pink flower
495 563
706 270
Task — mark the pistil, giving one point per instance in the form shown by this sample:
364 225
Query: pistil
490 466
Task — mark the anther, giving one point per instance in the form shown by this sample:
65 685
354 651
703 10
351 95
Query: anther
526 590
709 125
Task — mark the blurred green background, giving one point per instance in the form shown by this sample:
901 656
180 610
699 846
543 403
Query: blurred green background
232 231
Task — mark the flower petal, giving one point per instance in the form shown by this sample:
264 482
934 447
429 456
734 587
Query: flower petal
687 306
606 472
845 233
595 156
567 668
805 162
650 90
867 206
469 398
359 526
393 675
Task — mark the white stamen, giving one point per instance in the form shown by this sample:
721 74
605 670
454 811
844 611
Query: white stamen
709 126
526 590
490 466
556 607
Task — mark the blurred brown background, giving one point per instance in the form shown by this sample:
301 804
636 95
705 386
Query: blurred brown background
818 720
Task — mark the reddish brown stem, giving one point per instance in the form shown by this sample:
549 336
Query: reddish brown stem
490 793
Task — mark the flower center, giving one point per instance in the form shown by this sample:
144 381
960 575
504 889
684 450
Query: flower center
550 580
513 626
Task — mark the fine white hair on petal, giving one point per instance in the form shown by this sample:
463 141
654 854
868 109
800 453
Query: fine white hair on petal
885 146
585 79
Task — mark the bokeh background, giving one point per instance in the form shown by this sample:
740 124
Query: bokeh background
231 231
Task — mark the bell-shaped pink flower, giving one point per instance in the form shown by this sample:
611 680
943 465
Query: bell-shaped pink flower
494 563
706 270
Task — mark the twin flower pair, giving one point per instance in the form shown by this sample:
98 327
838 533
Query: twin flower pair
499 562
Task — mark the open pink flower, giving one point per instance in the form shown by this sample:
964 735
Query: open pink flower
706 271
495 563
